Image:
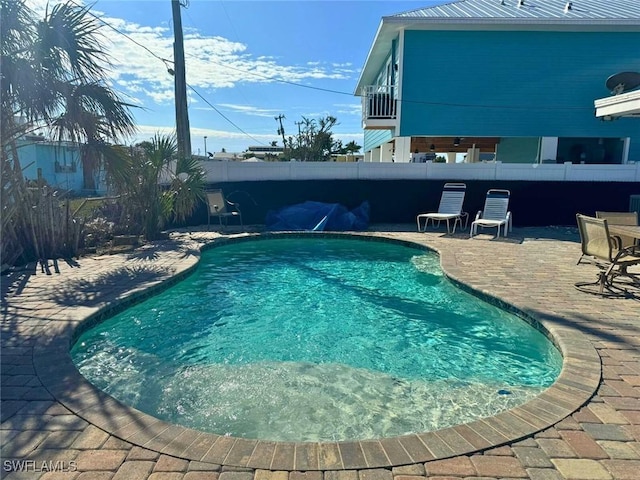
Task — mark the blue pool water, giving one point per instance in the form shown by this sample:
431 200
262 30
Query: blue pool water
311 339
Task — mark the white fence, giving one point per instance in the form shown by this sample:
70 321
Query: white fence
249 171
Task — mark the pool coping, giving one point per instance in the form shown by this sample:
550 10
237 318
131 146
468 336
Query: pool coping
576 384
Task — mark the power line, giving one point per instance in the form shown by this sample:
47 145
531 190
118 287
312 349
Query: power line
167 62
131 39
338 92
222 115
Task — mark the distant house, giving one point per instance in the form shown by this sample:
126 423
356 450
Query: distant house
56 163
516 78
264 151
225 156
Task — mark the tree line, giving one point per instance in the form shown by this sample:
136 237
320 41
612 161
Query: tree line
314 141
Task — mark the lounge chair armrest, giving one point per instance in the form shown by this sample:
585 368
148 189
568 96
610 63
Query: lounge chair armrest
479 215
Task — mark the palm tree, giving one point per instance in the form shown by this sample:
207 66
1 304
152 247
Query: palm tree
150 205
352 147
53 76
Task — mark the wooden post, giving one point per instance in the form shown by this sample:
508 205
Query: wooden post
182 114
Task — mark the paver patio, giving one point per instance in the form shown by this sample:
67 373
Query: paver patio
53 420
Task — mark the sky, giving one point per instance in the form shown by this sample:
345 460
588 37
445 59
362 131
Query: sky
247 62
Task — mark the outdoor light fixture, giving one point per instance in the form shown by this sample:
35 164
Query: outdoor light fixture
456 141
432 147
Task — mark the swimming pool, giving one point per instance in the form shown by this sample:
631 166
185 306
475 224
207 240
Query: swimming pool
317 339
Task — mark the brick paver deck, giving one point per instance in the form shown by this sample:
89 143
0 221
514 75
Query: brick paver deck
587 426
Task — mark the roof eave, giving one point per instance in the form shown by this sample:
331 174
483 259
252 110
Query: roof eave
569 23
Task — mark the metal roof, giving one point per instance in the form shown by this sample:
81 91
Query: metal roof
529 9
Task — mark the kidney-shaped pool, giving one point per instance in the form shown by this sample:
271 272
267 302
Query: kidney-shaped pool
317 339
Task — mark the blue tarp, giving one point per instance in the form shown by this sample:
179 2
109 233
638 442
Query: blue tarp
318 216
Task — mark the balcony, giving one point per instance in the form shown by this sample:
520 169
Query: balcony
379 107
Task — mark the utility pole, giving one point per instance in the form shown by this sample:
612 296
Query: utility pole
180 85
281 129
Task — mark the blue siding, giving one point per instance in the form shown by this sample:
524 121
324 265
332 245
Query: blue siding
516 83
43 156
375 138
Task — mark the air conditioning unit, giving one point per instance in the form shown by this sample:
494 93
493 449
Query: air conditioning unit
634 204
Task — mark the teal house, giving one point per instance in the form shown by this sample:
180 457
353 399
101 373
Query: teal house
508 80
57 163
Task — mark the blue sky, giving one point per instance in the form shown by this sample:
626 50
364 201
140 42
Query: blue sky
245 58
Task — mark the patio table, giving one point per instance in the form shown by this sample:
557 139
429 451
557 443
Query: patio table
629 230
634 232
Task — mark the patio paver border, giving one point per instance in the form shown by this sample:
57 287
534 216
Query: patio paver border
576 384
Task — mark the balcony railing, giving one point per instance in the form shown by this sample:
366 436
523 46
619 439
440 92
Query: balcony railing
379 103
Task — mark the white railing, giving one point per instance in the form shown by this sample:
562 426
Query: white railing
249 171
378 101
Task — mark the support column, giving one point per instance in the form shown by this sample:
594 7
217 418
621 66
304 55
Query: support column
548 149
386 152
403 149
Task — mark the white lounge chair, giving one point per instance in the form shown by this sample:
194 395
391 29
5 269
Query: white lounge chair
495 212
450 208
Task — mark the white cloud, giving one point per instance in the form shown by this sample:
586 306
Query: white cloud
249 110
348 108
211 61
